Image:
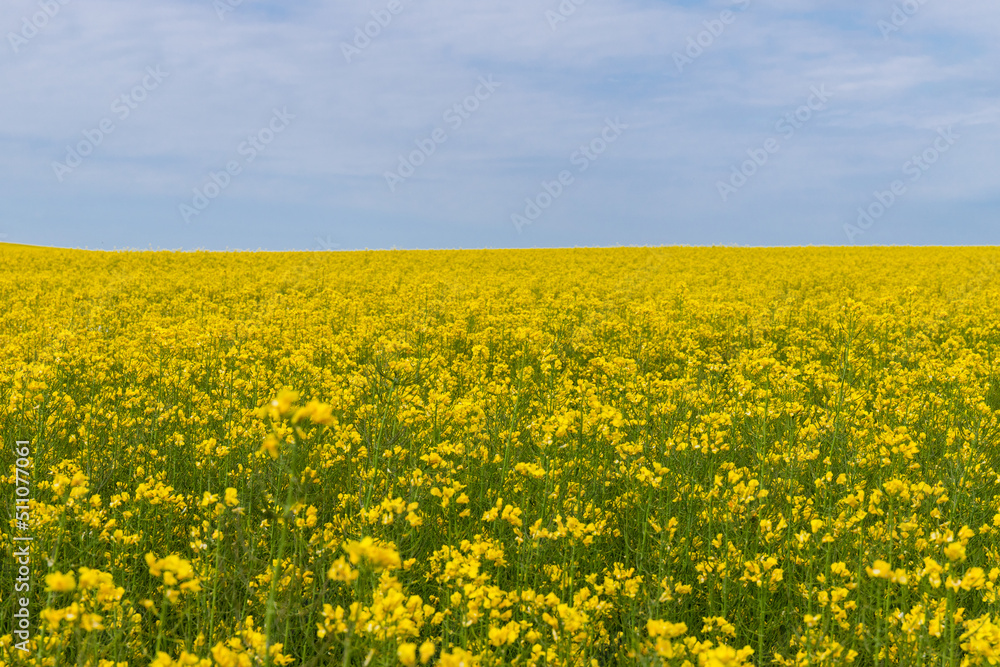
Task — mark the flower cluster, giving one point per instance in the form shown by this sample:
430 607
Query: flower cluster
679 457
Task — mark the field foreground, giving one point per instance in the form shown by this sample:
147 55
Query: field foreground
554 457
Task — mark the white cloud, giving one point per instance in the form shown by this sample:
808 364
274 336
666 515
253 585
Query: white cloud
610 58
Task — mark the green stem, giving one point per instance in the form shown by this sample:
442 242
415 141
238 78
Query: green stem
275 565
276 562
951 627
159 633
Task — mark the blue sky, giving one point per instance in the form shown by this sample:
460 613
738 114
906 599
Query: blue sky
224 124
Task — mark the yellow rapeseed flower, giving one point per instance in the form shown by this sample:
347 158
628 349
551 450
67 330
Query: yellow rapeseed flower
381 557
427 650
955 551
57 582
407 654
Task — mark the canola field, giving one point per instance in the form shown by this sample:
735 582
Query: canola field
634 456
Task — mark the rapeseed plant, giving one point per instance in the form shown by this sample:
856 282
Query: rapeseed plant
683 457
